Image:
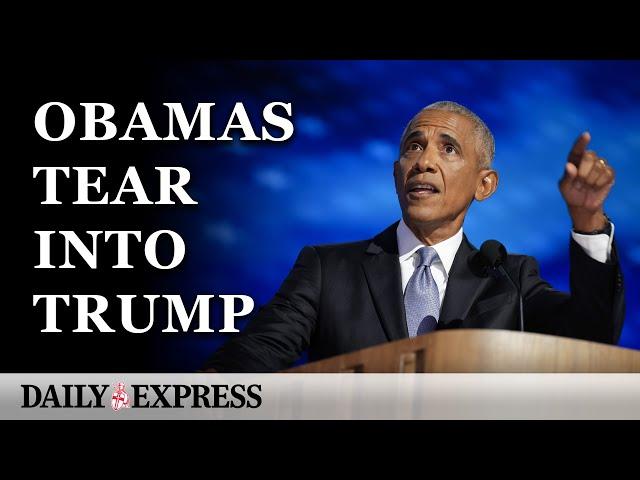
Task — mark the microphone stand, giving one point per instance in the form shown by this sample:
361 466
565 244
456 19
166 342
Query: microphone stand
504 272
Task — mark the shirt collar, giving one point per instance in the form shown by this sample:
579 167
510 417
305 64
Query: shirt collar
408 244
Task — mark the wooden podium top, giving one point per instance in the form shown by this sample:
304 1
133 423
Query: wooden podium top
482 351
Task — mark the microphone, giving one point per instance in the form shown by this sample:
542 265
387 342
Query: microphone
489 260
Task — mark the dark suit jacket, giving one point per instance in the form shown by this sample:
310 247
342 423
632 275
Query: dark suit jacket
340 298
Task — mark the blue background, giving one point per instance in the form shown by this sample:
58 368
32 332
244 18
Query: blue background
260 203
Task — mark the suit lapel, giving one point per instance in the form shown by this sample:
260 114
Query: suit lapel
382 271
463 289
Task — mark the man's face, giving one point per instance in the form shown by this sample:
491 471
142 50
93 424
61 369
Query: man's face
437 173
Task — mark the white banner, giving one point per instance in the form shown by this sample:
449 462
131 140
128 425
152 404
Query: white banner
289 396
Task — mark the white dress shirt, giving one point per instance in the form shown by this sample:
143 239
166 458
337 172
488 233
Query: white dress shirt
597 247
408 245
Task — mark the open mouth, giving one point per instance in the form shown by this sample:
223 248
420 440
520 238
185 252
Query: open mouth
422 190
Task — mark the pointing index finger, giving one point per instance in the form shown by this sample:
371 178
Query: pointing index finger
579 148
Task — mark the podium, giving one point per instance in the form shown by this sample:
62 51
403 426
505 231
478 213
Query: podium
482 351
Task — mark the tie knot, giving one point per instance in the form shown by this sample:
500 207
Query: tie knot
426 256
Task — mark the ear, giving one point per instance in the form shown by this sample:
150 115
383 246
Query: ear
396 168
487 184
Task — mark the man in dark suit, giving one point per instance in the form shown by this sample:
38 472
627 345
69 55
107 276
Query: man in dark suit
415 276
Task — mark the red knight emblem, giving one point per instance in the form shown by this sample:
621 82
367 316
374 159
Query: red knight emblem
120 398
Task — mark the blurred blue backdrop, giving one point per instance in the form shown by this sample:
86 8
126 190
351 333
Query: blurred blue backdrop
260 203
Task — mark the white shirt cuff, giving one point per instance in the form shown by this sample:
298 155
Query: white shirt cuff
597 247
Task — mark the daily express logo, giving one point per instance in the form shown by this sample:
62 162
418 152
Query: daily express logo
141 396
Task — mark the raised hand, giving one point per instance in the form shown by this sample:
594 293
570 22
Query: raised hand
585 185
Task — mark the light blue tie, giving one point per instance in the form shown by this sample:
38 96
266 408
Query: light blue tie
421 298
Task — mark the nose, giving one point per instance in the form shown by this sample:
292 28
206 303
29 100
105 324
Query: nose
426 162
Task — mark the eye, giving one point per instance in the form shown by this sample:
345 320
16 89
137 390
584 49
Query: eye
450 149
414 147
